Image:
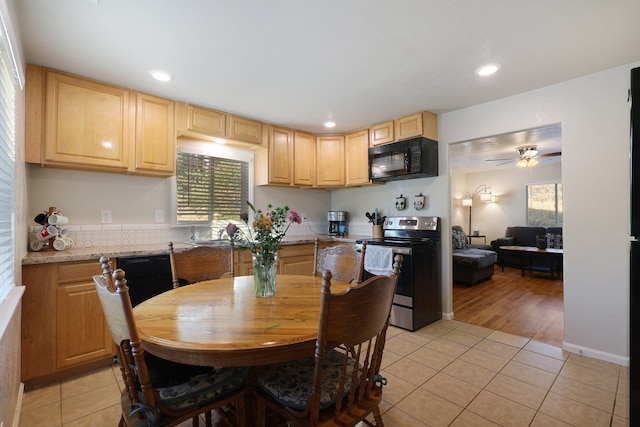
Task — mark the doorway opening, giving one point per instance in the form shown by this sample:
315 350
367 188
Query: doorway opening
530 305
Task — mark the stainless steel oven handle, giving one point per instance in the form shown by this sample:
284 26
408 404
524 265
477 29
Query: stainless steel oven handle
395 249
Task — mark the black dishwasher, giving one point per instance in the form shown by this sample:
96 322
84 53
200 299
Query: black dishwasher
147 276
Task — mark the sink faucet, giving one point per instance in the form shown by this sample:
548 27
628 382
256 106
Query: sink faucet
193 233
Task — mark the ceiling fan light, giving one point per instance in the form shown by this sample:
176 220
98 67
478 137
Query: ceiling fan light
522 163
532 162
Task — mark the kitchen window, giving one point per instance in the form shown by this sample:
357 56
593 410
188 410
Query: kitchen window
544 205
212 184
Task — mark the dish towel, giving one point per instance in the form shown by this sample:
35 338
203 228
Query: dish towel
378 260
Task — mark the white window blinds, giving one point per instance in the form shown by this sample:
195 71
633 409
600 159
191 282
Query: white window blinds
210 188
7 171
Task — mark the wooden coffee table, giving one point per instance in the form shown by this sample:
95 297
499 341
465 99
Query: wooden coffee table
529 253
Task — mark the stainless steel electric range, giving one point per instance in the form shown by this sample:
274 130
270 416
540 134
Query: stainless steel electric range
417 302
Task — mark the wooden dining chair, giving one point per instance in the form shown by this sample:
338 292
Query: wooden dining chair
160 392
341 384
344 261
200 263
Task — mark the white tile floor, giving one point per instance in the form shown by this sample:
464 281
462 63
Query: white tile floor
446 374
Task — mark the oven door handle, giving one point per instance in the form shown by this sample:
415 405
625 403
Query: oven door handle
401 251
396 249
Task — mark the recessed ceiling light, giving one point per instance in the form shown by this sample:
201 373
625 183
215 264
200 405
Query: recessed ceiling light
329 124
160 75
487 69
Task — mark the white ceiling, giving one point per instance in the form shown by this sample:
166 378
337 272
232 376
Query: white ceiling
297 63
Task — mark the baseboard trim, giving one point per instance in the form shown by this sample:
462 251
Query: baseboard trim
447 316
595 354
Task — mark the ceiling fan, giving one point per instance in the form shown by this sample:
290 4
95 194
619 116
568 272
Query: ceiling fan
528 156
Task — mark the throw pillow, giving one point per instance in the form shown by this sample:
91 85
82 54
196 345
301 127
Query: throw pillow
459 239
554 241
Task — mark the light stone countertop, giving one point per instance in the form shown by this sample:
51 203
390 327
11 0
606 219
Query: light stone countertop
85 254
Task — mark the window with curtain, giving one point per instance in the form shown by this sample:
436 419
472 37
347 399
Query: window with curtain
7 170
544 205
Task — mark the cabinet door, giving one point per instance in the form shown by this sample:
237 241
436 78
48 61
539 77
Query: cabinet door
296 259
330 161
357 144
155 135
241 129
280 156
409 126
419 124
206 122
86 123
83 334
381 133
304 159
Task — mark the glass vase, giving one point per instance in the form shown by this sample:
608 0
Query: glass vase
264 274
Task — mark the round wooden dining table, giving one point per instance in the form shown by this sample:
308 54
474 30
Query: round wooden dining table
222 323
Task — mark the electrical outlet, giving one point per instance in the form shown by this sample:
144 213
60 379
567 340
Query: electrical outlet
304 216
159 215
105 216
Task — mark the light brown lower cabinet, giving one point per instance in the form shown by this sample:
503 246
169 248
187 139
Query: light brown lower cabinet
292 259
63 329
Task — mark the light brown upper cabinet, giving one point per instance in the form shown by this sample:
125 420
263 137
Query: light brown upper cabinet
73 122
155 143
304 159
357 145
78 123
274 165
419 124
206 124
330 161
245 130
381 133
200 122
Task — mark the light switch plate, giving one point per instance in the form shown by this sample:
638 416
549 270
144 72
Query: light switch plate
159 215
105 217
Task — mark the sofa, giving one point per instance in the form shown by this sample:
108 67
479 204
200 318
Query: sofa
527 236
471 265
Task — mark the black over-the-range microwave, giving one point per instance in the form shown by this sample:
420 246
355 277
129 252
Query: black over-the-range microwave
411 158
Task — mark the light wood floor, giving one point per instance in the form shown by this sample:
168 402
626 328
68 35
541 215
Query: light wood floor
530 306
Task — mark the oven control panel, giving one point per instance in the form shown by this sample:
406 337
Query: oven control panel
412 223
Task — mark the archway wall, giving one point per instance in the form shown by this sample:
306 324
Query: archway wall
594 114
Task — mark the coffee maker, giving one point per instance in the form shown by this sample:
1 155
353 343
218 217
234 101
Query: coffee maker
337 223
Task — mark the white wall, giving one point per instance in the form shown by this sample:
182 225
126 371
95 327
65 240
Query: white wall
81 196
594 114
